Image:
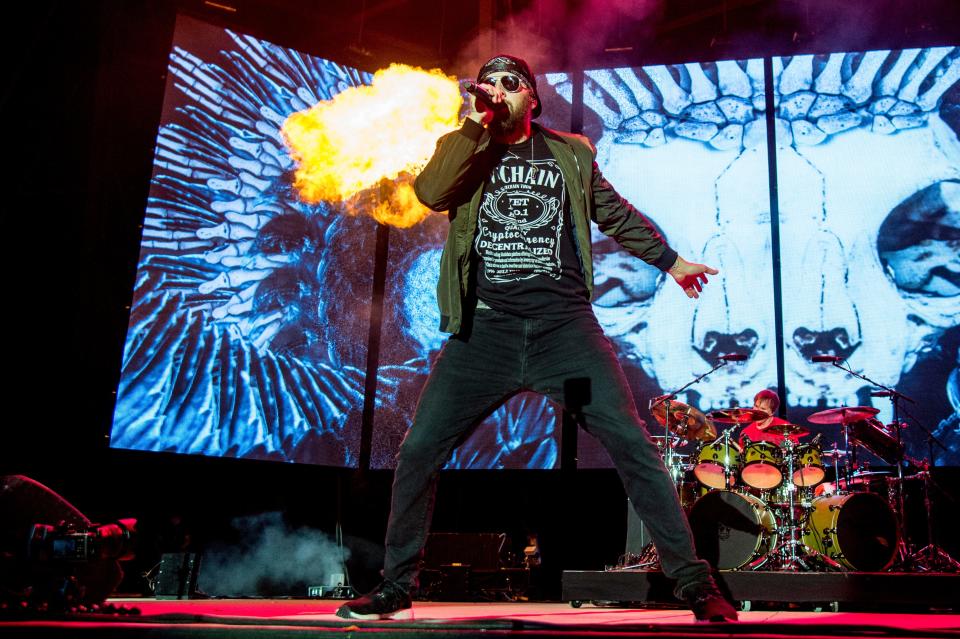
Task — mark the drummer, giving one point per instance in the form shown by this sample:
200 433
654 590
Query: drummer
768 402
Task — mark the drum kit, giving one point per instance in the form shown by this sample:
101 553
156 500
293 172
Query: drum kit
767 505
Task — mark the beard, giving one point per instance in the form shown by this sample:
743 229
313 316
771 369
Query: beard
514 118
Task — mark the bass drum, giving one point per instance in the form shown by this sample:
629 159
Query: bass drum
856 530
732 529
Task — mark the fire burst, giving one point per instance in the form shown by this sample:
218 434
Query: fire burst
363 146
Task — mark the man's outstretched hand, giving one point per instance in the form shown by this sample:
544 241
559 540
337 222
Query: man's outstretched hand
691 277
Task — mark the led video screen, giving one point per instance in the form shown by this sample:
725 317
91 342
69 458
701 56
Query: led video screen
868 168
250 321
250 317
687 145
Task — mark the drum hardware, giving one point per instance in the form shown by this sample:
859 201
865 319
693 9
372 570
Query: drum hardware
683 422
785 430
786 554
733 530
810 457
931 558
737 416
835 531
687 422
762 461
843 415
718 462
878 440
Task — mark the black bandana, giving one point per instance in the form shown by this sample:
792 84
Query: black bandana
511 64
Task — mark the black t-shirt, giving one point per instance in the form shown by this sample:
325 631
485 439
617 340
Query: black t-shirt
526 257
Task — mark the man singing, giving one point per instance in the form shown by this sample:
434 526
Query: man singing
515 284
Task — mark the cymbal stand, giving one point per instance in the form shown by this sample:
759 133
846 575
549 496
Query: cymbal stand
850 462
675 477
840 482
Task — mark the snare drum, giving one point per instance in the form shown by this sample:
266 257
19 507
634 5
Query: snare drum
762 462
732 529
808 465
717 463
857 530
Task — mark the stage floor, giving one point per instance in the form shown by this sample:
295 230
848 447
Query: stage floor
288 617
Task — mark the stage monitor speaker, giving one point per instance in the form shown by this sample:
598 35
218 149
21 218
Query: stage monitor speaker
637 535
479 551
177 576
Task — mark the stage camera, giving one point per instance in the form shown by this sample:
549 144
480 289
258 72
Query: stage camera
69 542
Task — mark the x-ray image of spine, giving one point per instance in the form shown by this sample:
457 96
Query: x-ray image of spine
249 322
868 169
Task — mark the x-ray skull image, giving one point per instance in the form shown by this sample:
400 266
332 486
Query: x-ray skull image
867 164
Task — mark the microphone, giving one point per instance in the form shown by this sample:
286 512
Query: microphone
883 393
733 357
820 359
483 97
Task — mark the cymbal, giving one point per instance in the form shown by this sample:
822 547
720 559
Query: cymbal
843 415
685 421
792 430
835 453
737 415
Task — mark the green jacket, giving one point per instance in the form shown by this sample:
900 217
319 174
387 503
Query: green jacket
453 181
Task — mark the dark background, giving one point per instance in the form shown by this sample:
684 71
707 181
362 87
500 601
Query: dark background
81 101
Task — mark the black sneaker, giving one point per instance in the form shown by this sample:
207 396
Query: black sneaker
387 601
708 603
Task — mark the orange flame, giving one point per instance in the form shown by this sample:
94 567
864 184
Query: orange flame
368 136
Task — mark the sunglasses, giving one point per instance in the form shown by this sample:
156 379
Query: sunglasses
509 82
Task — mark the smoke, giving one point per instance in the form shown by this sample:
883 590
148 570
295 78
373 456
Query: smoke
270 557
553 34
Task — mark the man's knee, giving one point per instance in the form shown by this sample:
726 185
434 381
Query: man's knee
419 447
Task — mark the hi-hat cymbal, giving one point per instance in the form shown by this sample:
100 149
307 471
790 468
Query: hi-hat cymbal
685 421
737 415
835 453
867 473
843 415
791 430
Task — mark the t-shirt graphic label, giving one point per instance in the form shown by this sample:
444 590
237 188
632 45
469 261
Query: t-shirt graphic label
520 222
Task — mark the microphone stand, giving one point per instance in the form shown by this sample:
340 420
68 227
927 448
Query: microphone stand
666 399
894 495
932 557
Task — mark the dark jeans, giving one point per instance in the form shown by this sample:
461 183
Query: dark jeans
571 362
